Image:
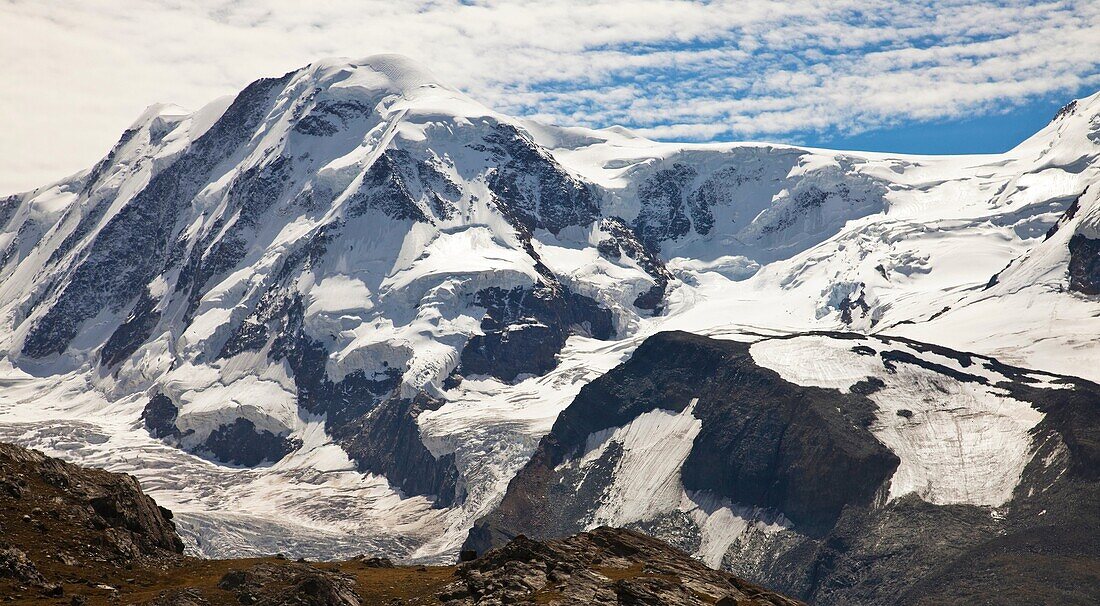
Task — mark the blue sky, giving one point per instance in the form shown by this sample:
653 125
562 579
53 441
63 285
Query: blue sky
922 76
991 132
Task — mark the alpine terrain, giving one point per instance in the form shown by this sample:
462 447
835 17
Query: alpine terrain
86 536
353 310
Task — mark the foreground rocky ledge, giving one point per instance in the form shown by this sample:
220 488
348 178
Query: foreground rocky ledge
604 566
72 535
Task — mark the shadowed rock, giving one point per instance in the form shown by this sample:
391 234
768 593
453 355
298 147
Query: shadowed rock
289 583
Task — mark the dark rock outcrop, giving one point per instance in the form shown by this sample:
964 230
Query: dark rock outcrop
622 240
237 443
375 427
1065 110
662 199
241 443
89 536
327 118
375 562
60 523
278 312
253 193
99 499
363 414
387 442
387 187
290 584
531 188
604 566
771 444
764 442
524 329
806 199
160 416
132 333
14 564
1084 265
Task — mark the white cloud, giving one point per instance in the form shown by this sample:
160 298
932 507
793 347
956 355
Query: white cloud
75 73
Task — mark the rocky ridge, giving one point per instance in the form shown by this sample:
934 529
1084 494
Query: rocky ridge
602 566
57 515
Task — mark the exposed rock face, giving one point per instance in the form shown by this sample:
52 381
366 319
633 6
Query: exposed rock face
250 197
623 240
377 431
524 329
290 584
909 551
604 566
129 336
387 187
241 443
327 118
159 417
58 520
763 442
1084 265
532 189
14 564
809 454
375 562
99 499
1067 216
102 200
386 441
662 197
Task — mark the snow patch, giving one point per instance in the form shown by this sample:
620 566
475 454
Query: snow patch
959 441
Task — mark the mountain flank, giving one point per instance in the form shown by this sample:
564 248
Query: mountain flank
836 485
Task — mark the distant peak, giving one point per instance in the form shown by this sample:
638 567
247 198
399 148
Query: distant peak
385 71
1089 105
165 111
397 67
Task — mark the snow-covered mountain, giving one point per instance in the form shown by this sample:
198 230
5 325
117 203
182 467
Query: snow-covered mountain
340 310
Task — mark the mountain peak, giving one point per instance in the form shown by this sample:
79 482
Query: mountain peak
389 72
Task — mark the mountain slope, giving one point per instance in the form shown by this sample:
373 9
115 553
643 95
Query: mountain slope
348 303
836 467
